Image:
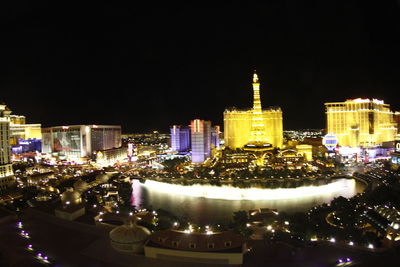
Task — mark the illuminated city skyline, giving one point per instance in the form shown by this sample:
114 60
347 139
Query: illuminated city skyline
186 134
109 72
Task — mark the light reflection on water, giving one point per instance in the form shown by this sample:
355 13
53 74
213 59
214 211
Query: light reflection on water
205 210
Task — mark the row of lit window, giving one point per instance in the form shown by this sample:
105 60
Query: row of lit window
193 245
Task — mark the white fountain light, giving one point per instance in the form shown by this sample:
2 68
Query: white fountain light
232 193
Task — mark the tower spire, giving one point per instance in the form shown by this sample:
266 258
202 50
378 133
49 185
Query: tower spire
255 77
256 94
258 141
258 131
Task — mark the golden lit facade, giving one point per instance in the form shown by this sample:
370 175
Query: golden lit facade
306 151
253 126
111 156
20 130
24 131
6 171
361 122
258 135
17 119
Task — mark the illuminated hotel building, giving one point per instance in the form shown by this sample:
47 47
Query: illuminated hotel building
397 120
6 171
215 131
361 122
180 138
76 141
254 126
17 119
201 140
24 137
20 130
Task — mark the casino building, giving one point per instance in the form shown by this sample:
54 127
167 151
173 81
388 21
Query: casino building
21 130
199 137
6 171
361 122
201 140
255 127
24 137
78 141
180 138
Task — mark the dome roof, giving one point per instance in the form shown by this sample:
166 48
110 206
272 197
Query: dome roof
81 186
71 196
129 234
102 178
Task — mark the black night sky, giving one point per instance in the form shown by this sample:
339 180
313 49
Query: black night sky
149 66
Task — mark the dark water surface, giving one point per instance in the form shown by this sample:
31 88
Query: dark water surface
203 210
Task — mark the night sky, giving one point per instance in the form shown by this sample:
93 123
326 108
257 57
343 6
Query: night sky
146 67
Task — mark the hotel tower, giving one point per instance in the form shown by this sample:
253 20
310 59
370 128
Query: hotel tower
6 171
361 122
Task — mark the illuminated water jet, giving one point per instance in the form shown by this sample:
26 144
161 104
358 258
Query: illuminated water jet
234 193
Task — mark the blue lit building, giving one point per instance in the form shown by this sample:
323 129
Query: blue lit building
201 140
29 145
180 138
215 131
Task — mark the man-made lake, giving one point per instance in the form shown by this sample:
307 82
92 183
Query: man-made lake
206 204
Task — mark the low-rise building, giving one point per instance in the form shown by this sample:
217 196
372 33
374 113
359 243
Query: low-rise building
236 159
215 248
290 158
306 151
110 156
129 238
392 215
71 206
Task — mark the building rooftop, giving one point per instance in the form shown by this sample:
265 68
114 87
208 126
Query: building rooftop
227 241
269 109
359 100
80 125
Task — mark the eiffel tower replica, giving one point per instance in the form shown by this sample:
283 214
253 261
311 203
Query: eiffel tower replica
258 141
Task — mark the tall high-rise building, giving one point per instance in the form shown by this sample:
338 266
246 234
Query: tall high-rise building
253 126
215 131
6 171
78 141
180 138
201 140
361 122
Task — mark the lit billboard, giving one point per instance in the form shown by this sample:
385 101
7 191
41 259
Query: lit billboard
68 141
